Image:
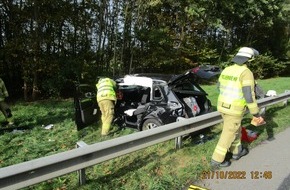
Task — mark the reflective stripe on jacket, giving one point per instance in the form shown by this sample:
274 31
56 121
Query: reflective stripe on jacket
231 98
105 89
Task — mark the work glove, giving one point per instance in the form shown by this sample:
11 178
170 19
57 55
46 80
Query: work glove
257 121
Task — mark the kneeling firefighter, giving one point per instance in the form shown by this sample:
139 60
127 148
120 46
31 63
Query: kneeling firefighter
106 98
236 87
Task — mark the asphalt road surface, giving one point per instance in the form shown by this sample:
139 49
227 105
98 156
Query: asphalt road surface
267 166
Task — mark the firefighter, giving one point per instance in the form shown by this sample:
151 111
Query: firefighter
106 98
3 105
236 93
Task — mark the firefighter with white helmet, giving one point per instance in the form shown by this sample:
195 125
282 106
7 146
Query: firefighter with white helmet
236 86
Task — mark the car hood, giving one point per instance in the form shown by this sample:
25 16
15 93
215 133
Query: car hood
206 72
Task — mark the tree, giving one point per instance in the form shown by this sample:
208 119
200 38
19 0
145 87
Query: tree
48 45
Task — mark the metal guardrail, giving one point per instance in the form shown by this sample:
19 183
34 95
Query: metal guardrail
39 170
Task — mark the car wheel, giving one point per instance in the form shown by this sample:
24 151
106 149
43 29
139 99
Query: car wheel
150 124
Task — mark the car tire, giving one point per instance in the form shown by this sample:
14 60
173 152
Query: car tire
150 124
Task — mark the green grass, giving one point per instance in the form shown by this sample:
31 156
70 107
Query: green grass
157 167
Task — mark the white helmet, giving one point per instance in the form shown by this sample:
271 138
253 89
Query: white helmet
271 93
244 54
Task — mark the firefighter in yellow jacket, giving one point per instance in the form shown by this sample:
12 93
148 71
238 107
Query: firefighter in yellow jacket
236 86
106 98
3 105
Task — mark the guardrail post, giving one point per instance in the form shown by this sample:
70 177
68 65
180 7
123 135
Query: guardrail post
178 140
82 172
286 101
263 111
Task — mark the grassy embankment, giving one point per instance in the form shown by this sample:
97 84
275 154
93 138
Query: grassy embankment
156 167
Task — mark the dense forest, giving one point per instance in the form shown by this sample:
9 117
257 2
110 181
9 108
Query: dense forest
46 46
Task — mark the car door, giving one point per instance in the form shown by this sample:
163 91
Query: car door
86 108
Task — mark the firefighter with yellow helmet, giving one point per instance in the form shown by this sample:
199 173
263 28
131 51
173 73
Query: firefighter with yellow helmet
236 86
106 98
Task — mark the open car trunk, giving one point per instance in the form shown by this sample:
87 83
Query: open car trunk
194 104
193 97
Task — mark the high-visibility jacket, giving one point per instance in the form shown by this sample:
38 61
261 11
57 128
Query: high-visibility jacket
231 99
3 91
106 89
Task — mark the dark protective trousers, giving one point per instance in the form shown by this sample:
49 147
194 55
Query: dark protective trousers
230 139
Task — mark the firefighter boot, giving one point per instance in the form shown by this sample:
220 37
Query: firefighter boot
244 152
216 164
